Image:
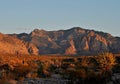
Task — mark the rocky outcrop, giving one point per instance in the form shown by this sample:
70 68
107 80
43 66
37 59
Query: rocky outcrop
72 41
32 49
15 46
71 49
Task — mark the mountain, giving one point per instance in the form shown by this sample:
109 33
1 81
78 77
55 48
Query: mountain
74 41
12 45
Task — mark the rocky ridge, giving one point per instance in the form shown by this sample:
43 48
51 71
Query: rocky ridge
15 46
74 41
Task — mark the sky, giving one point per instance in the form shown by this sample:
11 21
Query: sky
18 16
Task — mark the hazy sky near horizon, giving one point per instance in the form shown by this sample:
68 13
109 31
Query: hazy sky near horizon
17 16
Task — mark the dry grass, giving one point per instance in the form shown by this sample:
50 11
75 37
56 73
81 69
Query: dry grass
13 60
82 67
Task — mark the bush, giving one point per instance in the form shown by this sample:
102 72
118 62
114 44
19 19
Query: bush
85 62
106 60
43 70
21 71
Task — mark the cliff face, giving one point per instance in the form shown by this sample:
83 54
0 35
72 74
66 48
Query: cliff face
15 46
72 41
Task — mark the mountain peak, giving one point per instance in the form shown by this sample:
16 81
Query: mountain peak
71 41
38 30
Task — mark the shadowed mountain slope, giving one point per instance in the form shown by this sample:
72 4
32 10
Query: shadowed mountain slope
74 41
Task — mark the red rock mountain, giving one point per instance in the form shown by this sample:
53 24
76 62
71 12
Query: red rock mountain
74 41
15 46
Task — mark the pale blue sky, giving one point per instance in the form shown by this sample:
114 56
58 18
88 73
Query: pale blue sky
18 16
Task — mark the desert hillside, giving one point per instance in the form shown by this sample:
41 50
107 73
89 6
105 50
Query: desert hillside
74 41
15 46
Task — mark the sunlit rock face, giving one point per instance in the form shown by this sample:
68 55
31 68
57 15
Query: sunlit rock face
15 46
74 41
71 49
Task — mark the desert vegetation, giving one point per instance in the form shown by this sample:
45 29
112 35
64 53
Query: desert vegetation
76 69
